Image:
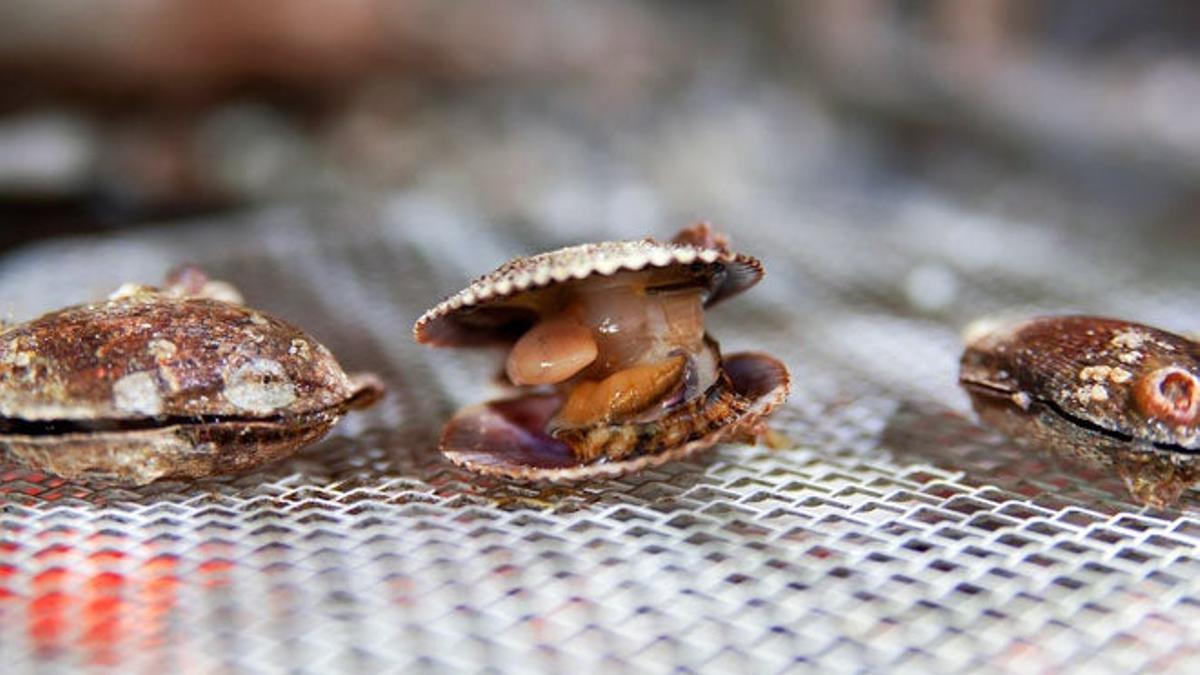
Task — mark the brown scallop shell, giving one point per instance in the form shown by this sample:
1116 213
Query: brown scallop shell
1077 388
149 385
1088 368
508 438
479 314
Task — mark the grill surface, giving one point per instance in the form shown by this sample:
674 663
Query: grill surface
894 533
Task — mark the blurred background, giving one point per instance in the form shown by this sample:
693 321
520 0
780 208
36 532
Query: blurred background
1081 114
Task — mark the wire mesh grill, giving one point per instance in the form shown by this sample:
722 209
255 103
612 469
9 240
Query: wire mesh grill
894 534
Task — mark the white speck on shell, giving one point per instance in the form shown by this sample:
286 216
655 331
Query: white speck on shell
1130 358
1120 375
300 348
18 357
1093 394
138 394
162 349
1022 400
1095 373
1131 338
261 386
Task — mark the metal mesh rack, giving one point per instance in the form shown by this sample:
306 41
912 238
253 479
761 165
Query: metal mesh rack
894 534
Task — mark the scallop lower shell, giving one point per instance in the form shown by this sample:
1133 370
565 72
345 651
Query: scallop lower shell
508 438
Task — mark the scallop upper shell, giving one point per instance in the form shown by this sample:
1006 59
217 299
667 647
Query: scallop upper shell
477 315
152 355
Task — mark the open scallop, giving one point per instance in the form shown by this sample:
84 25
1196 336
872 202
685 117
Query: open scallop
608 351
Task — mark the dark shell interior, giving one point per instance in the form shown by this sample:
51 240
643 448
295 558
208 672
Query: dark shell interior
508 437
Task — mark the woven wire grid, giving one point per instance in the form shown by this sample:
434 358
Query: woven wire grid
895 533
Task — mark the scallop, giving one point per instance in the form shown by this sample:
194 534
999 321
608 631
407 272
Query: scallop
178 382
608 353
1104 392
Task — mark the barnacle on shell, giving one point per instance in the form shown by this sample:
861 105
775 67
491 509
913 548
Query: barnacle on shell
608 345
1169 395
